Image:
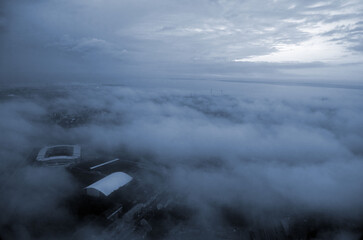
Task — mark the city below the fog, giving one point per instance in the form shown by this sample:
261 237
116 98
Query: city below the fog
158 120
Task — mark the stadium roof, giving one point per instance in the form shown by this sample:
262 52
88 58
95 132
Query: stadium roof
59 152
111 183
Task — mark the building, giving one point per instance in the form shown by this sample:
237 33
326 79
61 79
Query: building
108 184
59 155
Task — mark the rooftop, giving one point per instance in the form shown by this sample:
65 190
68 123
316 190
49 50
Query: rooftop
110 183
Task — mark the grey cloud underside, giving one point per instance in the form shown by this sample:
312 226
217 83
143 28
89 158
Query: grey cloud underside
163 39
267 153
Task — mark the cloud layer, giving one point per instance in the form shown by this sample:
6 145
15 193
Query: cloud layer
88 40
266 155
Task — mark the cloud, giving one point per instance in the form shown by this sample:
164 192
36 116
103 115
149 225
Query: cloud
31 197
88 46
266 155
291 147
166 39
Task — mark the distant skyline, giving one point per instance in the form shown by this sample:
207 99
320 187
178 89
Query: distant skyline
93 40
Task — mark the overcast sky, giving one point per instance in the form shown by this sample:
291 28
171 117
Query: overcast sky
292 147
115 40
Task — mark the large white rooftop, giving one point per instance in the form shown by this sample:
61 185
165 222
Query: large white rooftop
110 183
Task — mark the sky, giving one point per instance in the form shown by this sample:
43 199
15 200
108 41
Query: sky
142 41
263 119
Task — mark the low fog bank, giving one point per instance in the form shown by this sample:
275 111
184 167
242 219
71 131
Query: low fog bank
262 153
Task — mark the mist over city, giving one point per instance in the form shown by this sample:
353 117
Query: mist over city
181 119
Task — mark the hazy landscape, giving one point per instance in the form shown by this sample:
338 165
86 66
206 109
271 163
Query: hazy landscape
277 154
243 119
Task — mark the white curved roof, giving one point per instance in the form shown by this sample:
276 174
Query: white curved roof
111 183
